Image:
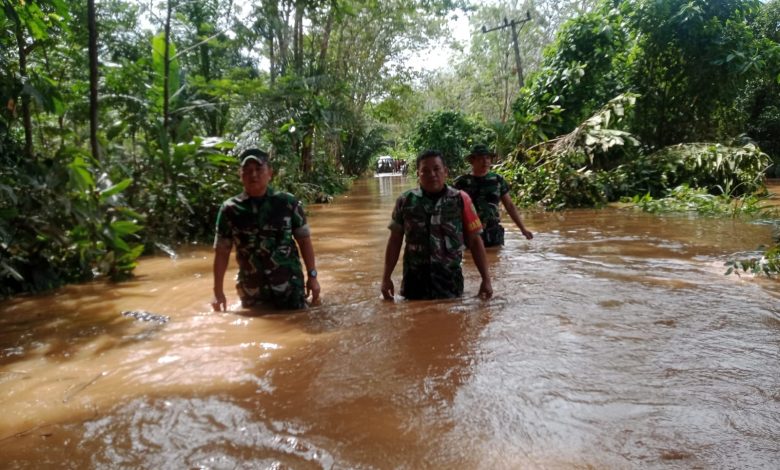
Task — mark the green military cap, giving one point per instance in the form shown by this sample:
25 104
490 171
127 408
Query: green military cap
260 156
480 149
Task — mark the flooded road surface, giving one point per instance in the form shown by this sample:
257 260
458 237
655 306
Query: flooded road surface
613 341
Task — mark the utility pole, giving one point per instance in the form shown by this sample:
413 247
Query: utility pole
515 25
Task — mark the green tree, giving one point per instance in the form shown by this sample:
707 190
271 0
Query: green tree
690 61
687 61
28 28
324 76
452 134
582 70
759 103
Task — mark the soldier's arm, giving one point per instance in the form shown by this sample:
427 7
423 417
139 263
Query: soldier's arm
307 253
392 252
515 215
221 260
478 254
472 227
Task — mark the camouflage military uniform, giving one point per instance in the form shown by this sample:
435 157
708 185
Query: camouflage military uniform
434 243
262 229
486 192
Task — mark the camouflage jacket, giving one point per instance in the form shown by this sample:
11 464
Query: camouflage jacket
262 230
486 192
434 232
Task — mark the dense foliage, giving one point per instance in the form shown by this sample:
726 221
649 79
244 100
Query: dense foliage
646 96
694 88
130 147
452 134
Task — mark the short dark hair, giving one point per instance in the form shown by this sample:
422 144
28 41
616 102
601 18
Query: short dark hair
429 153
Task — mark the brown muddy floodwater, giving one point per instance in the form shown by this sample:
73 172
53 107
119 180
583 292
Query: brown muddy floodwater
614 341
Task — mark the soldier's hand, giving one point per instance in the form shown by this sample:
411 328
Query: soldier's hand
219 302
313 288
485 290
527 234
388 289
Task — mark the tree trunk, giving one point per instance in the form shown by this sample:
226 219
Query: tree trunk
298 37
281 32
271 57
167 67
93 79
205 61
307 151
325 41
165 134
26 117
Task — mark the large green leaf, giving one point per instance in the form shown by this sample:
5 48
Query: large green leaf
120 244
80 175
125 227
158 61
115 189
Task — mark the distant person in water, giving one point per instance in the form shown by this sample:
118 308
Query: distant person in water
437 220
267 228
487 189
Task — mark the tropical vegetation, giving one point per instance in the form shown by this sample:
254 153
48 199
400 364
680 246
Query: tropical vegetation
651 102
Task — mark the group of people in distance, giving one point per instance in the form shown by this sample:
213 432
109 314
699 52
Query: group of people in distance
269 231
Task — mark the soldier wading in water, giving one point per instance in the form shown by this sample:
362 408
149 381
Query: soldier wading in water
487 190
264 225
436 220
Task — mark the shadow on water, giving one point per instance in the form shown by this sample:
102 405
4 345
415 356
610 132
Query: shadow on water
59 326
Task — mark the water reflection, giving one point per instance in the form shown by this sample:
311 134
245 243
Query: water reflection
614 341
389 185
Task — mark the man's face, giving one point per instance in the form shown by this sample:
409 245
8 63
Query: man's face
432 174
255 177
480 164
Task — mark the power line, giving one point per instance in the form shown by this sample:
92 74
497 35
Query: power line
514 24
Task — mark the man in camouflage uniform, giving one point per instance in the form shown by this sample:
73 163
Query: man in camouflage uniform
487 189
264 225
436 221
